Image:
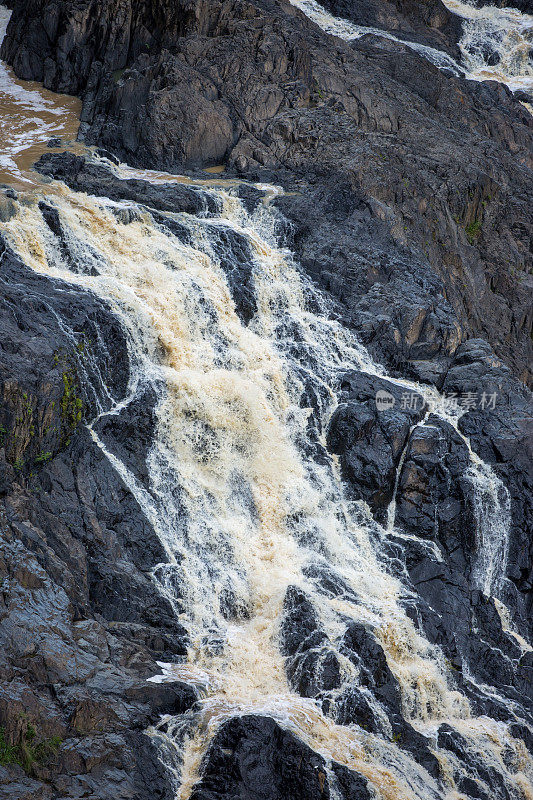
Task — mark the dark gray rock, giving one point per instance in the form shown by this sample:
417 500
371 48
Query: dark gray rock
76 556
97 179
523 5
351 785
234 254
434 496
371 440
253 758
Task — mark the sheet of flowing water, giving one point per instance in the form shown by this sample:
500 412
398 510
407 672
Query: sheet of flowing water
488 33
239 505
29 116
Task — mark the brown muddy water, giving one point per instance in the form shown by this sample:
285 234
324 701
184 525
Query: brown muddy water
30 116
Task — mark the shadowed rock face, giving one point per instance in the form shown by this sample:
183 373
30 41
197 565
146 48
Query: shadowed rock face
254 752
523 5
371 442
81 625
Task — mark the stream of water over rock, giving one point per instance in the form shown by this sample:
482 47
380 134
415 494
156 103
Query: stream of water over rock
497 43
243 510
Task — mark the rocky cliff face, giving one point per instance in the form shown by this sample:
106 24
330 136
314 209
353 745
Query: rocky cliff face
258 87
408 205
81 628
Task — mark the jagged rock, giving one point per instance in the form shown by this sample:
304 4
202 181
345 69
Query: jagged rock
235 257
523 5
314 670
352 786
312 667
498 426
253 757
360 646
478 775
434 495
74 545
369 439
96 179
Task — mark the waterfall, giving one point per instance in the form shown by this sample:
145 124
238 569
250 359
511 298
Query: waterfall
496 43
492 508
240 489
241 506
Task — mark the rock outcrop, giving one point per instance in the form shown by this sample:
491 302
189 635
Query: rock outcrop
81 627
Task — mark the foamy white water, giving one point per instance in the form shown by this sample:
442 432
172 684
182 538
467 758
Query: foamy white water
490 34
500 35
240 510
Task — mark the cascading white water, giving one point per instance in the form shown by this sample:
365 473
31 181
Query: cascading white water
350 31
240 509
492 508
497 43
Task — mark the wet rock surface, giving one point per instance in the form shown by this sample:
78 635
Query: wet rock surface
98 179
523 5
370 440
82 624
253 757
